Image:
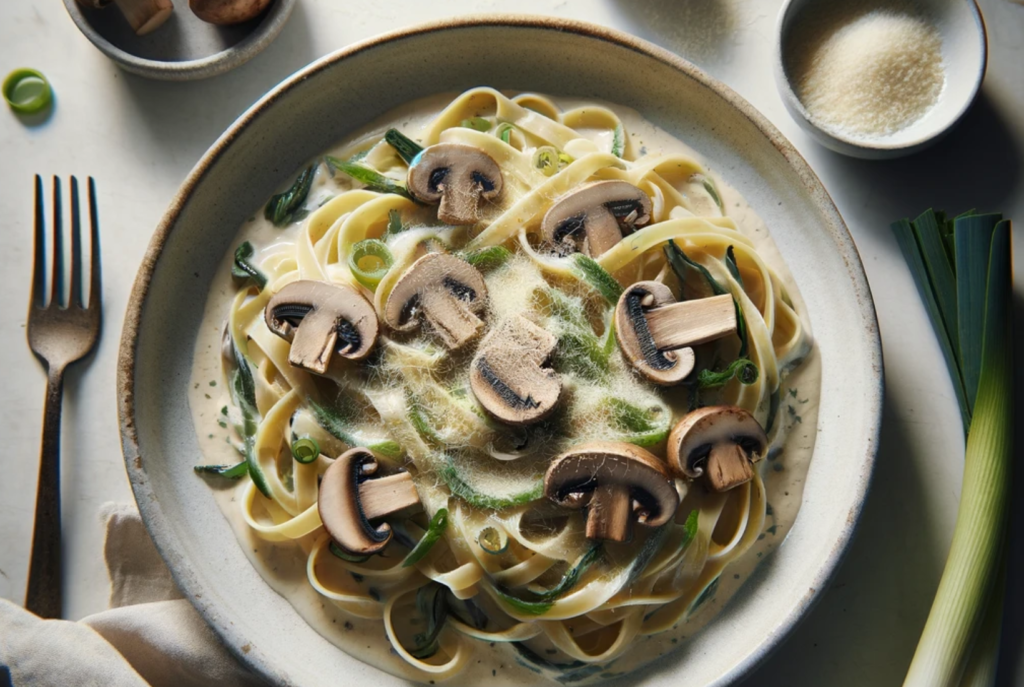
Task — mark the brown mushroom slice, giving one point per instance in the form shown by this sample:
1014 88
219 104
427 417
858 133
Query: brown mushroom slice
350 500
617 483
458 177
224 12
144 16
655 332
447 292
320 319
594 217
511 374
719 442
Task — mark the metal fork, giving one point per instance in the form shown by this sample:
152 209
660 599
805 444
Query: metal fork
59 333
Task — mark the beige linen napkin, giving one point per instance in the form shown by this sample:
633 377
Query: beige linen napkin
150 635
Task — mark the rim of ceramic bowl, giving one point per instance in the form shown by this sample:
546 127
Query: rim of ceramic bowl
184 70
149 507
881 148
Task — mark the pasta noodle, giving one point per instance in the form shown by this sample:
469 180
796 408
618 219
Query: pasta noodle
410 403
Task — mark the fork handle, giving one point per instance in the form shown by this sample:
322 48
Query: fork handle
44 597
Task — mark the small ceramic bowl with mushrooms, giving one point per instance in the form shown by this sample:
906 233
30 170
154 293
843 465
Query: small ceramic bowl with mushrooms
174 40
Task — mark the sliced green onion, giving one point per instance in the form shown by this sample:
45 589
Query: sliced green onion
371 178
369 261
488 258
435 529
406 148
285 208
545 159
476 123
492 540
504 132
305 450
27 91
230 471
345 555
973 322
244 269
598 277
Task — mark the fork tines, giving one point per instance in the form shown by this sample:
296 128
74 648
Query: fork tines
75 295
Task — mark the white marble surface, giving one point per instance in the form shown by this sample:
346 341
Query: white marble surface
139 138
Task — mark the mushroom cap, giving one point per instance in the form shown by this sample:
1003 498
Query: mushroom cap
509 375
440 273
320 319
661 367
599 210
227 11
340 510
693 437
457 176
573 476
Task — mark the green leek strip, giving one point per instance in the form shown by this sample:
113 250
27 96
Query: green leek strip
618 141
543 601
968 580
681 264
488 258
395 225
730 263
435 529
773 410
285 208
743 369
690 527
640 428
432 604
243 269
476 123
504 132
345 555
644 555
371 178
406 148
460 488
712 189
230 471
331 420
372 250
243 392
598 277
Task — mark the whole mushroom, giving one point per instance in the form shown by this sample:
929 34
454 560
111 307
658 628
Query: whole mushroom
144 16
594 217
227 11
446 292
617 483
719 442
351 500
321 319
656 333
457 177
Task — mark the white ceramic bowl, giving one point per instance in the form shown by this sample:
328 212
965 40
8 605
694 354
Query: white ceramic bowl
340 93
185 47
965 56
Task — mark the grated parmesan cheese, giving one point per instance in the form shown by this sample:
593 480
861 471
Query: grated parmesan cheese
872 73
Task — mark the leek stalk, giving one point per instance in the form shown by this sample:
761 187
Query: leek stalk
967 286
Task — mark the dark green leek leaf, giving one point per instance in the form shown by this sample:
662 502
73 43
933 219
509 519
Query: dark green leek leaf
332 421
432 605
712 189
406 148
598 277
371 178
927 231
244 269
541 602
435 529
730 262
285 208
230 471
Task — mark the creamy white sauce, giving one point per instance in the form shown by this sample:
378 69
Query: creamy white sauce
283 565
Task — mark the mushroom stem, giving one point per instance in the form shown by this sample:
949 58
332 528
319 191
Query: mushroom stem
728 466
459 205
608 512
145 16
450 317
386 496
689 323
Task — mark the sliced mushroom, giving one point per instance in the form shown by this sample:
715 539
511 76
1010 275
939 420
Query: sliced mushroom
719 442
143 16
351 499
320 319
511 374
227 11
594 217
617 483
447 292
458 177
655 332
